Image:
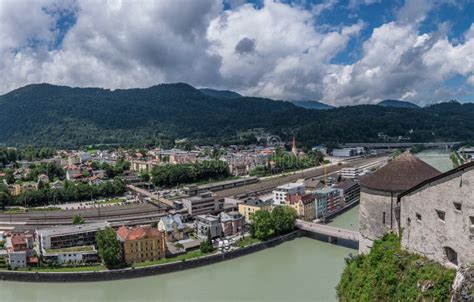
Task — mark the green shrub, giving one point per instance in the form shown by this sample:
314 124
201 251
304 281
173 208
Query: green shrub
388 273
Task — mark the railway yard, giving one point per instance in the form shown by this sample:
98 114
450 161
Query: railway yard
142 212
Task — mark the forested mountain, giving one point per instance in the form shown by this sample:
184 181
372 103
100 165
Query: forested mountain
312 105
58 116
224 94
397 104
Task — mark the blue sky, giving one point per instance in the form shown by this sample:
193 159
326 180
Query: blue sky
339 52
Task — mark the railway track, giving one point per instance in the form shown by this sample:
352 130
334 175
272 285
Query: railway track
141 213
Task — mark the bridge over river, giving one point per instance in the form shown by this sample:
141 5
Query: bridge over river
331 232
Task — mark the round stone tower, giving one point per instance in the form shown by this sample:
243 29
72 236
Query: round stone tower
378 211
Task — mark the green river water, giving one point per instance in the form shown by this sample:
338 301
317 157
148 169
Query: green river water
304 269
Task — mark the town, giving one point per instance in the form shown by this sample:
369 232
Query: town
56 203
99 209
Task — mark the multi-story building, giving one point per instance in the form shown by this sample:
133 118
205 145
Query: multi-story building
281 192
74 243
332 199
208 224
350 191
202 204
250 205
232 223
172 227
304 205
141 244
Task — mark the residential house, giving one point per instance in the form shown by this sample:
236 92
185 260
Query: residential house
208 224
21 253
328 201
250 205
303 204
232 223
172 227
141 244
281 192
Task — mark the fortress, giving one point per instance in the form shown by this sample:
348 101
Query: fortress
433 212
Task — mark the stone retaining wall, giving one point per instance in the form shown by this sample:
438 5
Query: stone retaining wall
144 271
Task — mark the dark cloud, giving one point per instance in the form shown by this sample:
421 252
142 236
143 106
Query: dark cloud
246 45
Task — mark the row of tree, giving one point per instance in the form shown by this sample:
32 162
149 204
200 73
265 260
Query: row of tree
171 175
265 224
11 155
71 192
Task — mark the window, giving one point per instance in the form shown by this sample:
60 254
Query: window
383 218
471 227
451 255
457 206
418 216
441 215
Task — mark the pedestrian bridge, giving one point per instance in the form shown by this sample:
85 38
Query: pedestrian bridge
332 232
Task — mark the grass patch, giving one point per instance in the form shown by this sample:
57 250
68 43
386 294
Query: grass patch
187 256
85 268
246 241
86 248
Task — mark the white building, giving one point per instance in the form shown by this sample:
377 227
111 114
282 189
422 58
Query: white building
283 191
350 173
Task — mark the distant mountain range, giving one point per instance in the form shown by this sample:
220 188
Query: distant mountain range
312 105
59 116
397 104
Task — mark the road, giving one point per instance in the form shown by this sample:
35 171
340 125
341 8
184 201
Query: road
327 230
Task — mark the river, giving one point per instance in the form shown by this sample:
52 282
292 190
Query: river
303 269
438 158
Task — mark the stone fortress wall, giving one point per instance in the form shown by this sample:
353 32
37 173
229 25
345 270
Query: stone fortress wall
433 226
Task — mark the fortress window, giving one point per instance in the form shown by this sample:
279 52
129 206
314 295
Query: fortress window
383 218
451 255
441 214
418 216
457 206
471 227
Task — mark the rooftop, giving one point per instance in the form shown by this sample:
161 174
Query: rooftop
138 233
289 186
399 175
256 202
73 229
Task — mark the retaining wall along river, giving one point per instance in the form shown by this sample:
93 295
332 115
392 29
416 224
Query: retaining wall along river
143 271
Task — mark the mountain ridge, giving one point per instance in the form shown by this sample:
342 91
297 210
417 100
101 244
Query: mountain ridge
61 116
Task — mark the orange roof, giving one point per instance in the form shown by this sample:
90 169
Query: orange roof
138 233
18 239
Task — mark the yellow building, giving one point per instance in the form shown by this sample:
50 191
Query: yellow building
141 244
251 205
304 205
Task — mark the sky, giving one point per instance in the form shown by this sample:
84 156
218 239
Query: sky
338 52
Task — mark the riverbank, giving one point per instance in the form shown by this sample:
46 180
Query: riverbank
136 272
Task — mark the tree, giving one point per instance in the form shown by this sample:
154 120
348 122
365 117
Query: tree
206 246
78 219
109 247
283 219
261 225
